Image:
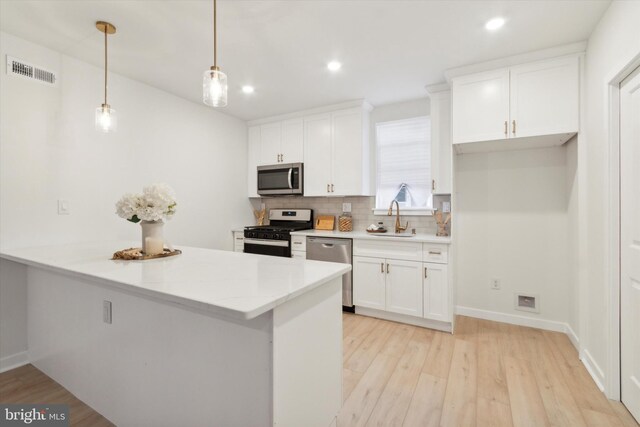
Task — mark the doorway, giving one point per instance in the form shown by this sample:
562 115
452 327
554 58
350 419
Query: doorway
630 242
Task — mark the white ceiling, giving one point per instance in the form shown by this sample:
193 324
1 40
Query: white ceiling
389 49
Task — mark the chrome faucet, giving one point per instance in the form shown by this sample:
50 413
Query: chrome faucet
399 227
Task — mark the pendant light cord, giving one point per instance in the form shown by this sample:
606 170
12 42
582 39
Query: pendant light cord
215 36
105 64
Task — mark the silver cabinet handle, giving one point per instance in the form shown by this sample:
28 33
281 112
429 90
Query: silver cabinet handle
425 273
435 253
297 243
328 191
382 267
239 238
282 157
289 178
506 128
387 268
514 127
332 188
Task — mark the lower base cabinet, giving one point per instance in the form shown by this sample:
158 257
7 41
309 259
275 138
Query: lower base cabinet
412 288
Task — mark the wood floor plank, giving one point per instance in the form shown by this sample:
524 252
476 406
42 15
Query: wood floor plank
362 401
392 405
438 359
492 413
399 339
459 407
599 419
369 348
492 381
527 407
623 414
425 409
349 381
557 397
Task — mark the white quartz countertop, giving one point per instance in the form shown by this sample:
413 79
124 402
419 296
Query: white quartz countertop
389 236
229 283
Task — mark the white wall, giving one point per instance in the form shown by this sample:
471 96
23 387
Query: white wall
49 149
511 213
612 45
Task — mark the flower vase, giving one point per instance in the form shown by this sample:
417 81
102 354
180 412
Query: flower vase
152 237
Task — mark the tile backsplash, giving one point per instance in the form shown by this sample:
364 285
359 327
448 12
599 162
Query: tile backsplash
361 211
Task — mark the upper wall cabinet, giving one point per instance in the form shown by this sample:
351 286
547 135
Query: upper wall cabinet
278 142
441 150
526 106
336 153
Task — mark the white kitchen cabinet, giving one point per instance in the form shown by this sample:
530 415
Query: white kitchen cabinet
481 106
317 155
292 143
544 98
238 241
369 278
253 161
270 141
336 153
404 287
525 106
436 303
441 148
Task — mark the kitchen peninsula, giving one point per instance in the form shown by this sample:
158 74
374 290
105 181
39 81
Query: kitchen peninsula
205 337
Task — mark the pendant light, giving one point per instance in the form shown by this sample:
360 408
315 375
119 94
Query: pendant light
214 81
106 119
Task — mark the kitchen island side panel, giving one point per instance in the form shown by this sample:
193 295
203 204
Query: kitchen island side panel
156 364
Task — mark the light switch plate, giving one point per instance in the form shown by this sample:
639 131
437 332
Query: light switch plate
346 207
63 207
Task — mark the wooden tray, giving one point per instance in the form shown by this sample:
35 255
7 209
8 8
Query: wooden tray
136 254
377 231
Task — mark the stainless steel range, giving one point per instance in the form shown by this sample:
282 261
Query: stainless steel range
275 238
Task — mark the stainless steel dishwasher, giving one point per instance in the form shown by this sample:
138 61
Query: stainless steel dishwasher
334 250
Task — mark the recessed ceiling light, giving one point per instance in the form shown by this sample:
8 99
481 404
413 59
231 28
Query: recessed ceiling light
248 89
334 66
494 24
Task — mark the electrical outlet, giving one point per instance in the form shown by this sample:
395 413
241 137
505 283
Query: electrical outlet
495 284
346 207
446 207
63 207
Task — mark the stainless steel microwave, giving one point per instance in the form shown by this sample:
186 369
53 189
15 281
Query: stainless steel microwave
284 179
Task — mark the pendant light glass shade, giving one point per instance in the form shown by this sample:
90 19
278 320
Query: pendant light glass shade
106 119
214 88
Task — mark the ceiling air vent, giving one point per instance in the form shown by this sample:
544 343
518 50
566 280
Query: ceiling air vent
20 68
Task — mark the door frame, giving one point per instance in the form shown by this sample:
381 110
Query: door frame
613 383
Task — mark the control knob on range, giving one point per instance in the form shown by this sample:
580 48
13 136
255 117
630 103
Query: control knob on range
276 237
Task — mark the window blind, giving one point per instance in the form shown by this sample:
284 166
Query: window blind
404 160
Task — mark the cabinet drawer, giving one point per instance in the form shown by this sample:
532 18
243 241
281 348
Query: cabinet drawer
410 251
299 243
298 254
435 253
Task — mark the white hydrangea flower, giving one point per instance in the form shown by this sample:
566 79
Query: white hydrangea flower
156 202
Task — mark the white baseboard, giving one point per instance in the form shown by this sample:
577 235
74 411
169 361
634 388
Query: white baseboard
592 367
514 319
14 361
403 318
573 337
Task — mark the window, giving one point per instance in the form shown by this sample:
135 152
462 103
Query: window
403 149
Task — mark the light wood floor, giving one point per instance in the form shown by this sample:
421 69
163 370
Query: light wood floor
27 384
487 374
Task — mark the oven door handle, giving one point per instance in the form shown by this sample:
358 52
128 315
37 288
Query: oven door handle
289 178
281 243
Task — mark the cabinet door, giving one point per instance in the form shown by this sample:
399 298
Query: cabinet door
317 155
347 152
292 141
480 106
441 148
404 287
545 98
254 160
369 282
270 144
436 292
